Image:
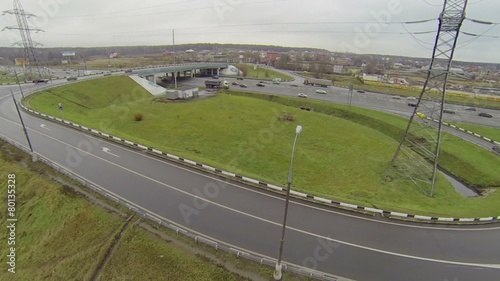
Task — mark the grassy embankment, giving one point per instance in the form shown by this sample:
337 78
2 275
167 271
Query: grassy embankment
62 236
343 152
262 73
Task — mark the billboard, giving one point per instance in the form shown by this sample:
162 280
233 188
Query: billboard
68 53
22 61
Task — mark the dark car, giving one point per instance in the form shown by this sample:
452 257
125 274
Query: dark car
470 109
261 84
448 111
239 78
412 104
40 81
243 86
215 77
128 71
235 83
360 91
72 78
496 149
484 114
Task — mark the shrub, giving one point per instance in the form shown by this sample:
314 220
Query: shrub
138 117
285 116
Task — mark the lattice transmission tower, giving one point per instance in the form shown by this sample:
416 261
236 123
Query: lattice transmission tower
418 153
30 51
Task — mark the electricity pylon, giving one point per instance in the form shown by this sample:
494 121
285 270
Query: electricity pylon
27 42
418 153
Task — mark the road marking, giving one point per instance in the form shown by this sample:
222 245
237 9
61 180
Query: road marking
44 126
494 266
105 149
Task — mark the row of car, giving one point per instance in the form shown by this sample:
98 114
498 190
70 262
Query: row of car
448 111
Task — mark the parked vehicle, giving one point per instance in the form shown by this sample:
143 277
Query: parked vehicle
484 114
448 111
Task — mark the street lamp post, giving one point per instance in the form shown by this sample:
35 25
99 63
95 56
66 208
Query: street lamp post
278 269
18 83
33 155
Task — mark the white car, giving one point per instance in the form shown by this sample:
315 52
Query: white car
321 91
302 95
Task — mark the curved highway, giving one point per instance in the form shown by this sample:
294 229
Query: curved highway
331 241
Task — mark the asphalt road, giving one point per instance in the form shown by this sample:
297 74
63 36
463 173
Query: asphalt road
339 243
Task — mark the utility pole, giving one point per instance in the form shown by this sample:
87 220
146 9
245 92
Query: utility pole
351 89
173 52
417 156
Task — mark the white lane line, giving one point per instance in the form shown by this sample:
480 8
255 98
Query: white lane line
495 266
106 150
359 217
44 127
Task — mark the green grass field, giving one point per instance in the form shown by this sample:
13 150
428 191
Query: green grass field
61 236
342 153
263 73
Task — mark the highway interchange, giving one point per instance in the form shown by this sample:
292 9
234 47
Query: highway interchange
339 243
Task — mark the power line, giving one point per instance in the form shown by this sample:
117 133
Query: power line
420 42
476 36
482 22
96 15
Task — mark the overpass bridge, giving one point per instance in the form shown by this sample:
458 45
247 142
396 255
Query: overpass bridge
187 69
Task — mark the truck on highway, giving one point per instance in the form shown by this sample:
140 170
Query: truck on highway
216 84
318 82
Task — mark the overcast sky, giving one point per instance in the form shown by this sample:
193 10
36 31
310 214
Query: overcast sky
360 26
